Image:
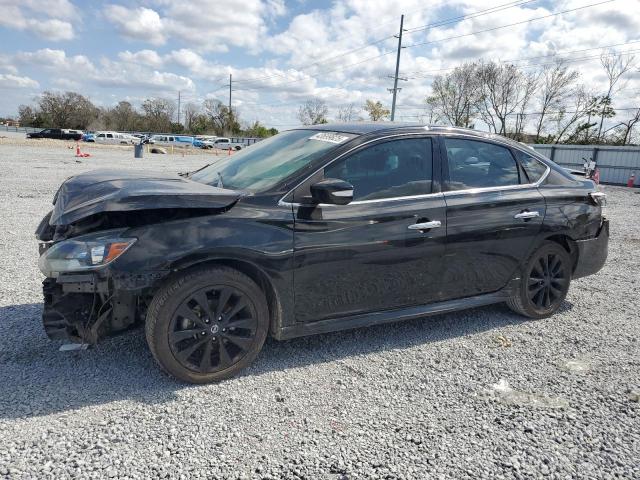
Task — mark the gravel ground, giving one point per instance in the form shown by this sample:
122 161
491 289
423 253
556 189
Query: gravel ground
474 394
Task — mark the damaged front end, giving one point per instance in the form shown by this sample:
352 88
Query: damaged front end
86 295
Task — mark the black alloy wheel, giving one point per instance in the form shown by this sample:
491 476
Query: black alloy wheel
545 282
548 280
207 324
212 329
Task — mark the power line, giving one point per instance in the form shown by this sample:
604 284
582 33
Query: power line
480 13
563 60
508 25
525 113
375 42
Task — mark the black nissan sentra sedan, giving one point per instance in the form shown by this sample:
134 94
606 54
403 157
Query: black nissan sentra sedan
313 230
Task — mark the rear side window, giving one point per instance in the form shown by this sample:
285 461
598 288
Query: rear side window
474 164
532 167
398 168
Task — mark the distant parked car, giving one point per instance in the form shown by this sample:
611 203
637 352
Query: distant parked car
57 133
226 144
172 140
89 137
204 141
115 138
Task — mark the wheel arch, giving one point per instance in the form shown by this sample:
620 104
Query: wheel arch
252 271
569 244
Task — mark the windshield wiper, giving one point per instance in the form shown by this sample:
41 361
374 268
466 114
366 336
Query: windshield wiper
220 184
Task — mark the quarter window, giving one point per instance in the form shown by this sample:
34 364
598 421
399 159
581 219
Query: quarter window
474 164
398 168
533 168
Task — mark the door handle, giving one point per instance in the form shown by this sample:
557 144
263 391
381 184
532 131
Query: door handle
526 215
425 225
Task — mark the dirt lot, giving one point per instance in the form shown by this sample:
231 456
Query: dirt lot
476 394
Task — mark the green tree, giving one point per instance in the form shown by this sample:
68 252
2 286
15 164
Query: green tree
376 110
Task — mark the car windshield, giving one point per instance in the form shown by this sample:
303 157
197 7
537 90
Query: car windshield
266 163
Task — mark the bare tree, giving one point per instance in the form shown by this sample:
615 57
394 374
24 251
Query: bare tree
191 110
615 66
376 110
626 127
576 115
223 121
313 112
456 96
556 85
505 91
158 113
530 83
348 113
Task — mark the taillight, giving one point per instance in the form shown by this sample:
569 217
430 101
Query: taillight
598 198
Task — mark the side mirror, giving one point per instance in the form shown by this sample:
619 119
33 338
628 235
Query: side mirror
332 191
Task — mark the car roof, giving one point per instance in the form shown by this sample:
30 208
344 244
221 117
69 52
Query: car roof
362 128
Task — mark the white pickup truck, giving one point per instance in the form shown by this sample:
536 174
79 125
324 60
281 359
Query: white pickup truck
226 144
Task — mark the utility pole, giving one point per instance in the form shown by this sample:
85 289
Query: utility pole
230 80
178 106
395 77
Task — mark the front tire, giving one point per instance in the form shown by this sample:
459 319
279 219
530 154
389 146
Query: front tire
207 324
545 282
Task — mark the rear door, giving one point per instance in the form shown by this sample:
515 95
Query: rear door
493 216
371 254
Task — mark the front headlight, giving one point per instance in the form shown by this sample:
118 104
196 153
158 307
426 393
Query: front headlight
88 252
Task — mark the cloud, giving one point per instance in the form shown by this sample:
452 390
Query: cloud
143 57
45 22
13 81
140 23
201 25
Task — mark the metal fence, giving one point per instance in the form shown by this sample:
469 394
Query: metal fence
6 128
616 164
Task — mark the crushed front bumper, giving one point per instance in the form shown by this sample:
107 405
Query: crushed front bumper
592 252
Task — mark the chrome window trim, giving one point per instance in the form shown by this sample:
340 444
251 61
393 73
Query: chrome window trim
468 191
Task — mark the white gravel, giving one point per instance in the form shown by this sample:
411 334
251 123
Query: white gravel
476 394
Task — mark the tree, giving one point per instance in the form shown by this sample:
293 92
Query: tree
615 66
123 117
576 115
260 131
63 110
222 120
191 110
627 127
376 110
456 96
158 113
505 91
348 113
313 112
556 85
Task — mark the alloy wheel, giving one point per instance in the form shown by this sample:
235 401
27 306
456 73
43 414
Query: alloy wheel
212 329
548 281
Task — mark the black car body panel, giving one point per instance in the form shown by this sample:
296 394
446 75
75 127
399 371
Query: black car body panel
322 267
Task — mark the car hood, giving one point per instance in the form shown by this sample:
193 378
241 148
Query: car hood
116 191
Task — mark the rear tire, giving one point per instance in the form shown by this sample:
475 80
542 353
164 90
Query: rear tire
545 282
207 324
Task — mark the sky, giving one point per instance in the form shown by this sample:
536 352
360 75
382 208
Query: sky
282 53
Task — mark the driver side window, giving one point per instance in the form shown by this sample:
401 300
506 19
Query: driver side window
398 168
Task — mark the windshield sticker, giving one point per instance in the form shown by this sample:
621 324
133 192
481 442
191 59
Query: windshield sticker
329 137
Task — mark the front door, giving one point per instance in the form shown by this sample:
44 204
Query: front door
384 249
493 216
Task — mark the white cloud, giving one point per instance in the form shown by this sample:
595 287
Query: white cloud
201 25
138 24
143 57
44 21
13 81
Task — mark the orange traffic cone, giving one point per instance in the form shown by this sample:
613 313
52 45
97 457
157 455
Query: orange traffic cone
229 152
596 176
79 153
632 180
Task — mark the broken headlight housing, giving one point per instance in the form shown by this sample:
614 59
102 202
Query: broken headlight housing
88 252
